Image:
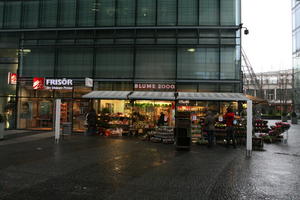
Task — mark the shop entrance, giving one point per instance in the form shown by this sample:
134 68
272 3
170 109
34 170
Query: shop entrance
80 109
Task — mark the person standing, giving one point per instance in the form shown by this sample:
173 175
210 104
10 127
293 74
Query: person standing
91 122
230 135
209 127
161 120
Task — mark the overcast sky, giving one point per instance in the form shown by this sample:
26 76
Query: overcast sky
269 43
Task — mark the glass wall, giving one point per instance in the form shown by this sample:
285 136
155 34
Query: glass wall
296 53
91 13
48 14
37 62
155 63
146 12
141 63
30 13
200 63
75 62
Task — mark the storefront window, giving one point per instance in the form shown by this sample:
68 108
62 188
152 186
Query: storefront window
8 110
146 114
35 113
114 117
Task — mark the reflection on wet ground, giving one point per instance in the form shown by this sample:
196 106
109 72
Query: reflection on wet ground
105 168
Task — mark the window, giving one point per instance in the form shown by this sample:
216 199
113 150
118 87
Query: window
228 12
86 12
75 62
228 63
1 13
208 12
12 14
200 63
39 62
114 63
146 12
106 13
67 13
126 13
166 12
188 14
30 13
48 13
155 63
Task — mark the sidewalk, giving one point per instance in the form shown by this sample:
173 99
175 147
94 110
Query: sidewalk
19 136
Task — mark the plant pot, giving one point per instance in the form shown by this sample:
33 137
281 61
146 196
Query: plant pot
1 131
294 120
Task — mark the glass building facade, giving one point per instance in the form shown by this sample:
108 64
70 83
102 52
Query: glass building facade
296 52
194 44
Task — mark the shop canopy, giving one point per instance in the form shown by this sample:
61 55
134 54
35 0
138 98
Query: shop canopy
107 95
147 95
198 96
152 96
202 96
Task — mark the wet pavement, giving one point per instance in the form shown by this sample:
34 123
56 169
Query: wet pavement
127 168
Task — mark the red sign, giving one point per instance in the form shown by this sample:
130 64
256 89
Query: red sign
12 78
38 83
154 86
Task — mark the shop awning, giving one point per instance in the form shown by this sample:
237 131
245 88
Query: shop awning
152 95
107 95
202 96
257 100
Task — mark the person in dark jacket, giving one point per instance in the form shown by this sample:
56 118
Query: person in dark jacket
230 135
161 120
209 123
91 121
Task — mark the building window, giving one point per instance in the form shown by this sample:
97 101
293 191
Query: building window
187 14
146 12
105 13
209 12
155 63
198 63
126 13
166 12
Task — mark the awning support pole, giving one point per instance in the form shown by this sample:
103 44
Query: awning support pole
249 129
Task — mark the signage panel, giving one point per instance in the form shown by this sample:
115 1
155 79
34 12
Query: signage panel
52 84
38 83
89 82
154 86
12 78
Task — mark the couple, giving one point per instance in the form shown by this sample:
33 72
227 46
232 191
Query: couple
209 124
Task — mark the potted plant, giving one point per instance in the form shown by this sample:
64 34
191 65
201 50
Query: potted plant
1 127
294 118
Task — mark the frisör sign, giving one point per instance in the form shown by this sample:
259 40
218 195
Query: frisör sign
52 84
154 86
59 84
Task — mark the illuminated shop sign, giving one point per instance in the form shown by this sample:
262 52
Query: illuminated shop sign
12 78
52 84
154 86
38 83
89 82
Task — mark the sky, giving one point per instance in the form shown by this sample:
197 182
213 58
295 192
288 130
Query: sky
269 42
